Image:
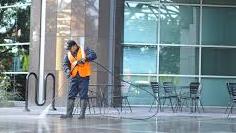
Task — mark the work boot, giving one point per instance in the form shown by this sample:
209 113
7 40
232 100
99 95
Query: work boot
83 103
69 109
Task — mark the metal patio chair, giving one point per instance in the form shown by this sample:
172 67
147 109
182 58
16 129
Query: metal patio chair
232 92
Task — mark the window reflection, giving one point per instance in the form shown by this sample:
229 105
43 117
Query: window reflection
218 61
16 58
182 1
14 2
14 24
179 24
140 20
179 60
12 87
140 59
218 26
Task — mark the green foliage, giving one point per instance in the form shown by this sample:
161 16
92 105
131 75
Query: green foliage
14 27
4 86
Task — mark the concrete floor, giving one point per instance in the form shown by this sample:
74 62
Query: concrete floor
14 120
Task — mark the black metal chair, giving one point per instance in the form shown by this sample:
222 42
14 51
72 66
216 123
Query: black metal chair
156 93
123 97
195 93
232 92
184 96
230 95
90 101
170 93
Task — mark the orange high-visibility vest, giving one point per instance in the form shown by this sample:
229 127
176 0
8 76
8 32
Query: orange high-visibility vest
83 70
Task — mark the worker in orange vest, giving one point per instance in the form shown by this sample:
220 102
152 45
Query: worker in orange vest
77 68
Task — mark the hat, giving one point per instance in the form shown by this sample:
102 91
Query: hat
70 43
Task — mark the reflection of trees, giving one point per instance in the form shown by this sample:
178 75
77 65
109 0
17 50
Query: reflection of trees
170 22
92 12
14 28
169 60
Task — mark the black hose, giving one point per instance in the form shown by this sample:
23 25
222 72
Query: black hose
118 78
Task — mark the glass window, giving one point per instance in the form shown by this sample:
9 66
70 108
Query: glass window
218 26
218 61
214 91
15 24
137 96
16 58
140 23
13 2
139 59
179 60
12 87
182 1
220 2
179 24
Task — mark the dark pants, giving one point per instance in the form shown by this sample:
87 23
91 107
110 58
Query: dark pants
78 85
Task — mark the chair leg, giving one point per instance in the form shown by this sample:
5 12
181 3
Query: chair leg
128 104
121 104
197 101
163 104
203 110
195 105
89 106
228 105
159 105
94 108
151 105
91 101
182 104
171 105
76 110
178 104
191 108
232 105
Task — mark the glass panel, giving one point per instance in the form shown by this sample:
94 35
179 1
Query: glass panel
179 60
219 26
137 96
139 59
214 91
64 18
182 1
13 2
15 25
16 58
140 23
218 61
12 87
220 2
179 24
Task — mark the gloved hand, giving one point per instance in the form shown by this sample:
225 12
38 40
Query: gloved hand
81 61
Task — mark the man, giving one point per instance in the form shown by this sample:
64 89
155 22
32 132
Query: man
77 69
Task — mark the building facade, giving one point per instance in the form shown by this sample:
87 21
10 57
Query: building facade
138 40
